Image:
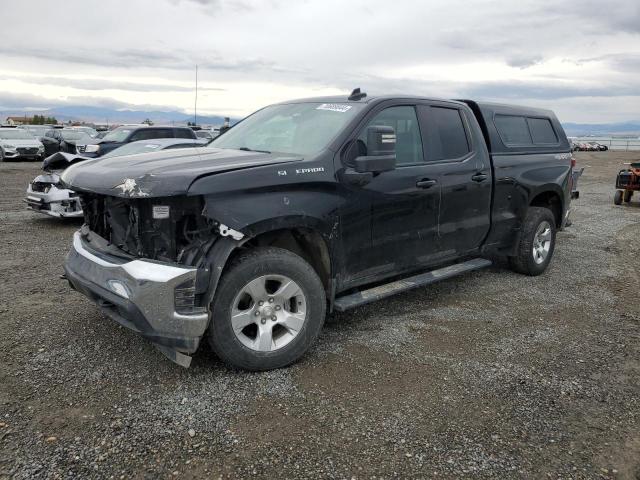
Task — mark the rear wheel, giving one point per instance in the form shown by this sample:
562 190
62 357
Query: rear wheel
617 197
537 242
627 196
268 310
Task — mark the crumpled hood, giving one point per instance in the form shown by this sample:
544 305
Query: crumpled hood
21 142
161 174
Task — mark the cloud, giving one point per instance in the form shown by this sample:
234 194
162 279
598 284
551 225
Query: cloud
105 84
13 101
524 61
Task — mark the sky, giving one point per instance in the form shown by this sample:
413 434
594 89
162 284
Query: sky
579 58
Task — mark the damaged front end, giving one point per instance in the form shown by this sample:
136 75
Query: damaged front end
152 265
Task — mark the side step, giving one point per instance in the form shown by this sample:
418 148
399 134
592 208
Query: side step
382 291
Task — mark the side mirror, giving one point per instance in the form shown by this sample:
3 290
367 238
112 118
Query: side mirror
381 151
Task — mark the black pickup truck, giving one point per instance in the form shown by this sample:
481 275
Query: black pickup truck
313 206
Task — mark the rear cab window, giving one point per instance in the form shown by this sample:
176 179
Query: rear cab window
513 129
517 130
542 131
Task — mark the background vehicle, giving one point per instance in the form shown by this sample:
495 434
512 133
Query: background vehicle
206 135
64 140
92 132
311 206
46 195
132 133
19 144
38 131
627 182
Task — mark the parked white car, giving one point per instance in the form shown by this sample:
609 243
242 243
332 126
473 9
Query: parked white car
17 144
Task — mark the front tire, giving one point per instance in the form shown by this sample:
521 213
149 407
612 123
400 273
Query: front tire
627 196
268 309
617 197
537 242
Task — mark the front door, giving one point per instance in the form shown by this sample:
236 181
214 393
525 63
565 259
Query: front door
403 203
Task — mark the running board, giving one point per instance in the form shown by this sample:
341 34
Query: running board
382 291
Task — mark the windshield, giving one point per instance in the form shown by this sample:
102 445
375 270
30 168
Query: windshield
74 135
117 135
16 133
296 128
134 148
36 130
88 130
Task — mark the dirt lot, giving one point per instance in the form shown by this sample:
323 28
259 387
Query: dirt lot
491 374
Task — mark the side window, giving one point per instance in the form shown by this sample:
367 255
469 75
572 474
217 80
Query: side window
404 121
542 131
450 137
513 129
140 135
184 133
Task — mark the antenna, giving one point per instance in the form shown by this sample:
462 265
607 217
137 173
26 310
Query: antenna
357 94
195 105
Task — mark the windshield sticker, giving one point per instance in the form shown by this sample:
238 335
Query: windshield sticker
334 107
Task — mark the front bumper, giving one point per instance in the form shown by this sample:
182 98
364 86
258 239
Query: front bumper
57 202
19 155
138 294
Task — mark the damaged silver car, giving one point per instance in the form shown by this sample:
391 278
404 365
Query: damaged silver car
46 195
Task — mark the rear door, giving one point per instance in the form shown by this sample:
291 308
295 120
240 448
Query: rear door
456 150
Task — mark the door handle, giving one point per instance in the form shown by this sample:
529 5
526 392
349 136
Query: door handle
426 183
479 177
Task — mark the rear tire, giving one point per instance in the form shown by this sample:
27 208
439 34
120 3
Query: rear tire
537 242
626 197
617 197
277 332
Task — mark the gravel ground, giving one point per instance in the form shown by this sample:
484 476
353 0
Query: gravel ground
489 375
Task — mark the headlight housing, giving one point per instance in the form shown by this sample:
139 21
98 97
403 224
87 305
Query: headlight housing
7 146
91 148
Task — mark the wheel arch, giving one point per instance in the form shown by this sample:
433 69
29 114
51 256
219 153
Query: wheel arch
552 200
304 241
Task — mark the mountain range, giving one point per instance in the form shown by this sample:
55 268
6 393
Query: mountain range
104 115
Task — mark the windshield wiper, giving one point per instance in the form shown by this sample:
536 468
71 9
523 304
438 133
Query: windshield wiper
247 149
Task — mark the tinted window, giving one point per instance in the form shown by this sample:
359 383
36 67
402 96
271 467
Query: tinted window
405 124
542 131
184 133
151 133
450 135
117 135
513 130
